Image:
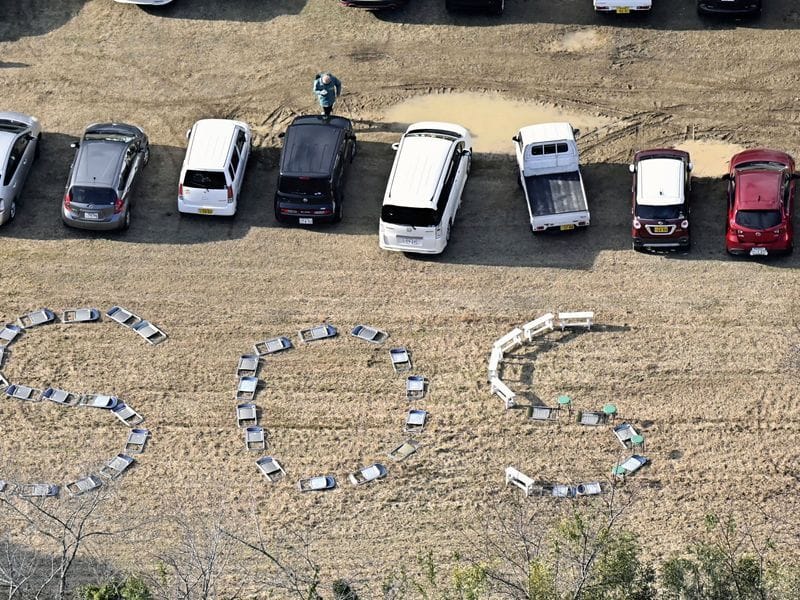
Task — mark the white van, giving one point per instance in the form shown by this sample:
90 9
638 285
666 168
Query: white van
213 170
425 186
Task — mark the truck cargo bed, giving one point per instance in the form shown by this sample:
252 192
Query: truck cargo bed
555 194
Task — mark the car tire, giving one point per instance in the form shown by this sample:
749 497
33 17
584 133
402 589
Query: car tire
38 150
337 218
12 210
278 216
147 155
353 151
126 221
499 8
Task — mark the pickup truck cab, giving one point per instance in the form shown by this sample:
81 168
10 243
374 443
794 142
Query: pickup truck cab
761 189
550 176
661 184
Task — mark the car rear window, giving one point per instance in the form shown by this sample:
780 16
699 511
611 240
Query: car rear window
208 180
413 217
670 211
758 219
93 195
304 185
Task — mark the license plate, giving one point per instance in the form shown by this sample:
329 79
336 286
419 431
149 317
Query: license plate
623 11
92 216
660 229
205 211
567 227
306 221
409 241
758 252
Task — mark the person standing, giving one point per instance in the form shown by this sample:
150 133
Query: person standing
328 89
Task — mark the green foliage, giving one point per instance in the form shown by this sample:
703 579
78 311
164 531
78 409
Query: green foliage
469 582
619 573
343 591
131 588
541 583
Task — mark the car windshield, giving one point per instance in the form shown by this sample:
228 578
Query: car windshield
761 166
413 217
108 136
311 186
12 126
758 219
93 195
207 180
670 211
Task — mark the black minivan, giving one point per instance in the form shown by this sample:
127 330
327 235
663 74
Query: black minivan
314 160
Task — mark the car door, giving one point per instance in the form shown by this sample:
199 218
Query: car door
460 165
125 178
242 153
17 166
27 150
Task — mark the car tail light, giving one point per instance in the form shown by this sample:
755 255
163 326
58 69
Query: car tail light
180 190
637 224
230 194
739 232
118 206
685 224
438 232
68 200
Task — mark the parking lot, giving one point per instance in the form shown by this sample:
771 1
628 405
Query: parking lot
700 347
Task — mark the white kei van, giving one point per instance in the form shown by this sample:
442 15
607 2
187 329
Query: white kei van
425 186
213 169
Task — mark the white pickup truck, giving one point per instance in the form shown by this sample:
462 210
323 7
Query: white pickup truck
550 176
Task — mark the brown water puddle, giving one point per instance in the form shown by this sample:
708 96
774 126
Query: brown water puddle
710 159
491 119
579 41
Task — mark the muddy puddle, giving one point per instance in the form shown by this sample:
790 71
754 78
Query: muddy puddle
491 119
710 158
579 41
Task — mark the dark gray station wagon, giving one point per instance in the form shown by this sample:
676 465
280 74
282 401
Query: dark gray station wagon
107 163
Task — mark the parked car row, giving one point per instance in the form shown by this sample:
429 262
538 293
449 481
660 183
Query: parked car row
496 7
423 194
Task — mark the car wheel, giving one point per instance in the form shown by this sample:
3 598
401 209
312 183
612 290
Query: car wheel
449 229
147 155
339 211
126 220
353 151
38 147
499 8
12 211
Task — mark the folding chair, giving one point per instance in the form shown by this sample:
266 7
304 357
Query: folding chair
404 450
401 359
124 317
563 491
416 387
319 332
319 483
593 488
271 468
625 433
86 484
152 334
127 415
39 490
415 421
117 466
98 401
3 355
630 466
247 388
367 474
542 413
137 439
246 414
80 315
369 334
271 346
4 383
592 418
23 392
61 397
37 317
254 438
9 333
248 365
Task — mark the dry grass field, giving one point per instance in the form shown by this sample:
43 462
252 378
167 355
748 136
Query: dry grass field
701 350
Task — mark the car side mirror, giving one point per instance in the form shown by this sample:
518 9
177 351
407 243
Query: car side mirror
282 134
74 145
30 137
466 152
576 132
795 175
188 133
726 177
395 146
632 168
515 139
691 166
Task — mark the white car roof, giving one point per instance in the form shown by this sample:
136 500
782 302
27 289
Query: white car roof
660 181
6 141
420 162
546 132
210 144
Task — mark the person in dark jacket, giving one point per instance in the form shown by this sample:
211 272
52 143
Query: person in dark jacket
328 89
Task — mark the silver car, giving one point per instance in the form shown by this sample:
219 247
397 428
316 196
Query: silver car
108 161
20 136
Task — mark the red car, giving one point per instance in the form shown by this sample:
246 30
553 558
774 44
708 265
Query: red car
761 185
661 183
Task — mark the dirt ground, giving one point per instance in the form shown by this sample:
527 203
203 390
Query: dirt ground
700 350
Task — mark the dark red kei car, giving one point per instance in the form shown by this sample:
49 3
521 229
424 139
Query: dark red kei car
761 188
